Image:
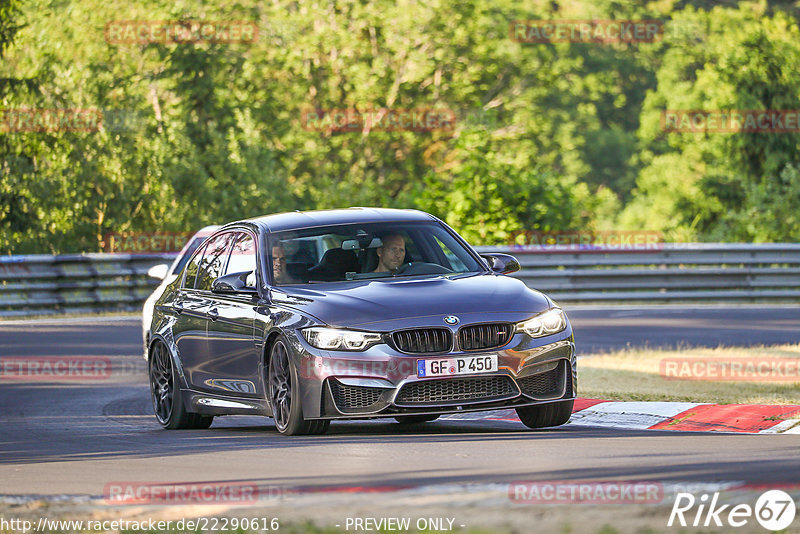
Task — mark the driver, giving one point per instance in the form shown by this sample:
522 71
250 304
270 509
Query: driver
391 253
279 266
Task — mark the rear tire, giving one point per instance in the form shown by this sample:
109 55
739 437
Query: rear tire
166 395
546 415
415 419
283 396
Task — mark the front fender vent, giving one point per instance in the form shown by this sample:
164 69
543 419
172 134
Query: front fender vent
547 385
349 398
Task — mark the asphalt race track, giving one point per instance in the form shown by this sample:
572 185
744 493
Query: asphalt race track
74 437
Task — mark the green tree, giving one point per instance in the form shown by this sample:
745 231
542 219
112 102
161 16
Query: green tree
722 186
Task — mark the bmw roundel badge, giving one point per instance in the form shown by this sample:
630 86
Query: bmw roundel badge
451 320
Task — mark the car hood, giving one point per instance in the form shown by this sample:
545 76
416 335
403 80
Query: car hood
396 303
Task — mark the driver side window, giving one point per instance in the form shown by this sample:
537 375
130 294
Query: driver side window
243 257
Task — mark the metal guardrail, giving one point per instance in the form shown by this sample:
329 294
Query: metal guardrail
75 283
666 273
86 283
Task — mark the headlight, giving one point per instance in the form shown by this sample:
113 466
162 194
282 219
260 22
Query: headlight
550 322
334 339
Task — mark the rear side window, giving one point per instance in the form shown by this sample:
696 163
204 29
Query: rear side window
195 244
243 257
214 261
192 269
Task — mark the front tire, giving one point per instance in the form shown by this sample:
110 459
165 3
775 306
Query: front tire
546 415
165 393
283 396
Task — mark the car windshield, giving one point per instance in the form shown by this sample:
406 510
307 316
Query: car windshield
367 251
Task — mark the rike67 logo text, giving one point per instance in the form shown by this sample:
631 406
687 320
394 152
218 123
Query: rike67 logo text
774 510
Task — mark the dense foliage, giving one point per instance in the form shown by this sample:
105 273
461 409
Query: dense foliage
547 137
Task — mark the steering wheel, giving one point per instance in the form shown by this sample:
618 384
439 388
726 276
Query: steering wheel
421 267
403 268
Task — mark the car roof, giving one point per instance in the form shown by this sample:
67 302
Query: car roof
296 220
207 230
203 232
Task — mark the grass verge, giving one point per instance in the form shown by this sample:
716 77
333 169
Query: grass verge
639 375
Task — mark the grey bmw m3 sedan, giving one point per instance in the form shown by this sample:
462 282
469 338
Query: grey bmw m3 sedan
356 313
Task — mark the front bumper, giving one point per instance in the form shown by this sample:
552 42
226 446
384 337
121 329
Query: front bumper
381 382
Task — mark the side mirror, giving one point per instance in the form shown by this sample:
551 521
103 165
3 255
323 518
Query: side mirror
159 272
502 263
234 283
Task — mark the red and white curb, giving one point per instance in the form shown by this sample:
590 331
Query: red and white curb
683 416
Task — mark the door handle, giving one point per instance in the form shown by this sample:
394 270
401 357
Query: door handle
213 314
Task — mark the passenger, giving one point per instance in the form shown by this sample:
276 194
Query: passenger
391 253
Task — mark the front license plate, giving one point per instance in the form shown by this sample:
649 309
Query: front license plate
462 365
